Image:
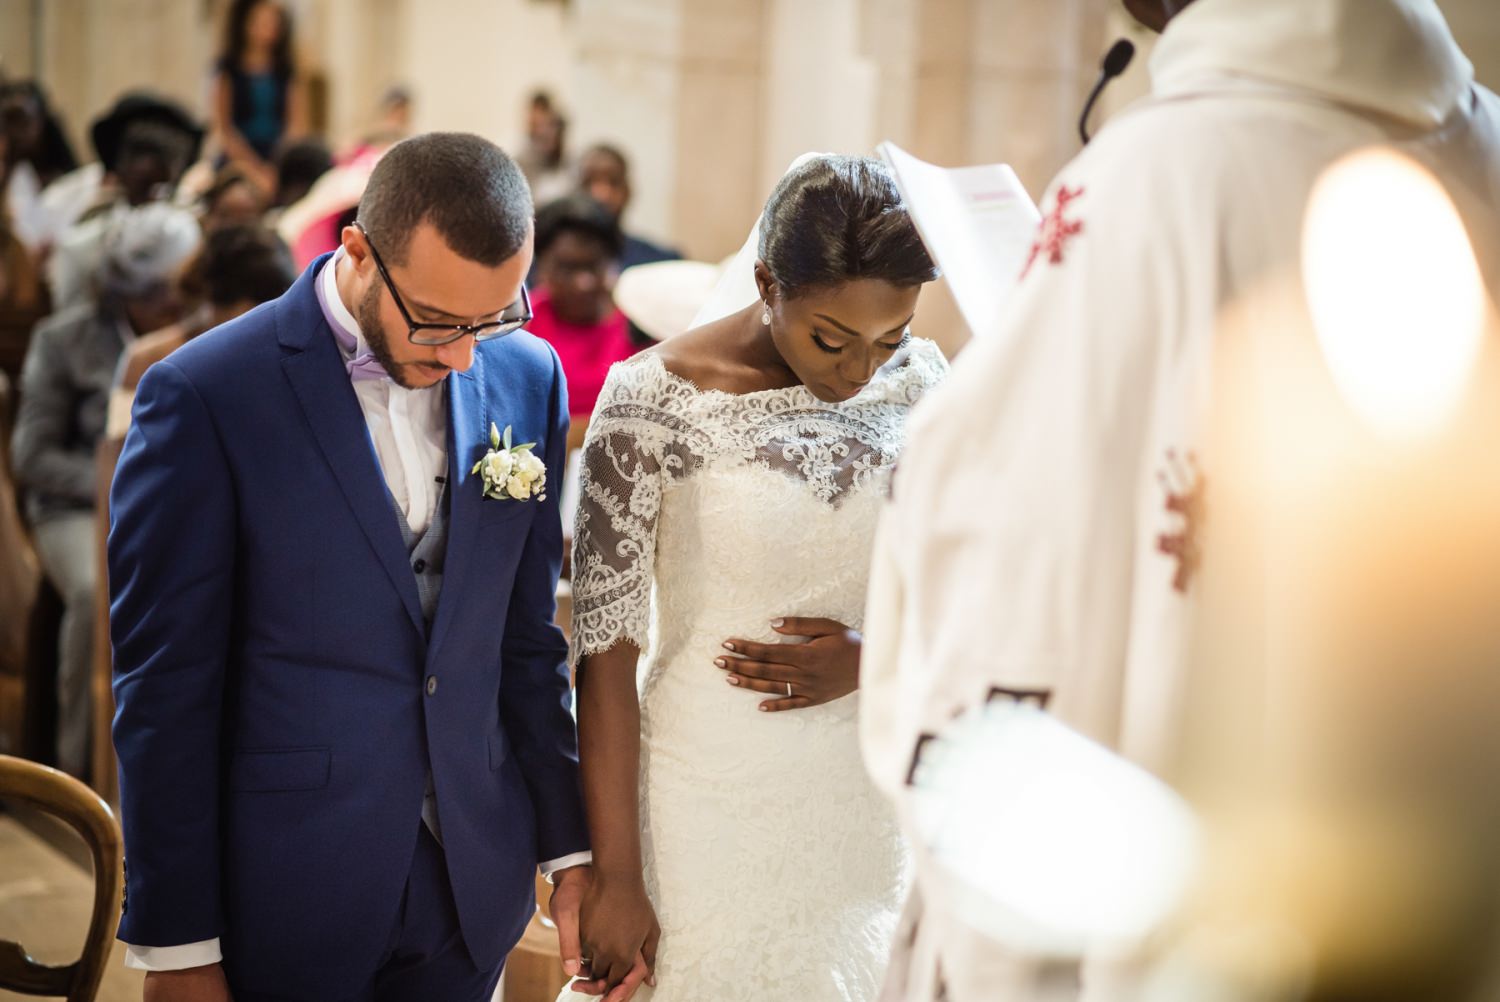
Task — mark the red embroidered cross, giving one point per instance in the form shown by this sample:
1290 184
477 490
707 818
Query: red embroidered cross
1185 487
1056 230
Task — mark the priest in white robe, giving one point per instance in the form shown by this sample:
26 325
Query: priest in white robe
1042 542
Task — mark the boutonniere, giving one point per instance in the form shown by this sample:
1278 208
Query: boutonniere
511 472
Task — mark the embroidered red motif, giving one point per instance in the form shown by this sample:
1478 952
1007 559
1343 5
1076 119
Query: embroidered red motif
1056 230
1184 486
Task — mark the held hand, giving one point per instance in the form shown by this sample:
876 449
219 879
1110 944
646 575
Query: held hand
818 670
194 984
619 936
568 889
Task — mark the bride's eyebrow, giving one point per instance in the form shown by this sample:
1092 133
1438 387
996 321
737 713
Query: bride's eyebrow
898 329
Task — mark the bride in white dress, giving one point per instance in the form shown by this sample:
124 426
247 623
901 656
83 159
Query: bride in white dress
731 482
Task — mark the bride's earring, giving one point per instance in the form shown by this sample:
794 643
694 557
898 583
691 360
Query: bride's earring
765 316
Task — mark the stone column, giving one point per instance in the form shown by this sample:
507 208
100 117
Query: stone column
93 51
1034 62
17 27
678 85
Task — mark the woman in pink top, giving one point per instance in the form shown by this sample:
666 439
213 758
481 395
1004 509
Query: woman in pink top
578 246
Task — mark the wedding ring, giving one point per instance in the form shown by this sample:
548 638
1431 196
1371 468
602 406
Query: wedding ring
789 688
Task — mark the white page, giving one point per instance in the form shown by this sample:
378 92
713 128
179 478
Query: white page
978 224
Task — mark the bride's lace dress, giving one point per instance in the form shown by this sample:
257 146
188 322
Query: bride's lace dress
775 869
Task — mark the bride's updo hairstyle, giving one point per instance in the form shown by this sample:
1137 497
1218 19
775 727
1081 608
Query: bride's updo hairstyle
837 218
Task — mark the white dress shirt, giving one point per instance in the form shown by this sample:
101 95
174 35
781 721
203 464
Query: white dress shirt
409 429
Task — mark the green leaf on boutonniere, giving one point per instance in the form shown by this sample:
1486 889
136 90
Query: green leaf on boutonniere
507 438
476 467
520 448
495 436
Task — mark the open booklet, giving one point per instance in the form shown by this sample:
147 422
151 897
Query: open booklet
978 224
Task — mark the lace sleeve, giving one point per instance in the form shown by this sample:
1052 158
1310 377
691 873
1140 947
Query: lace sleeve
631 452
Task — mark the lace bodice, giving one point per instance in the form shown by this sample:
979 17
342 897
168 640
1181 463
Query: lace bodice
654 430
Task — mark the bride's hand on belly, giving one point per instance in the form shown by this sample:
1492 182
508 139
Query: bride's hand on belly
809 672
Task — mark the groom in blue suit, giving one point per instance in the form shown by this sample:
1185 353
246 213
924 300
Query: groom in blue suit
343 724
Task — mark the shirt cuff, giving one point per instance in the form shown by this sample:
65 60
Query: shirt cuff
577 859
172 958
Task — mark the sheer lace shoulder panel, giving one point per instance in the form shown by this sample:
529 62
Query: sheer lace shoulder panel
638 438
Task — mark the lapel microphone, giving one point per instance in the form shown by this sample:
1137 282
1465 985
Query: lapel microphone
1116 61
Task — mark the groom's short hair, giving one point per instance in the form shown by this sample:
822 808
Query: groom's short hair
471 192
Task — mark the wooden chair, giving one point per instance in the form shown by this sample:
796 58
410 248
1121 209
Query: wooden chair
65 797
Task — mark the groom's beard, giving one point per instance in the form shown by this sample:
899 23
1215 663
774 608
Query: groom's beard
368 318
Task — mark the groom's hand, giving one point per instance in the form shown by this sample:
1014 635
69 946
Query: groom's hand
568 887
194 984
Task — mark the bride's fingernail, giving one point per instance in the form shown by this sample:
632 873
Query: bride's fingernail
733 680
777 624
571 966
764 707
721 662
729 647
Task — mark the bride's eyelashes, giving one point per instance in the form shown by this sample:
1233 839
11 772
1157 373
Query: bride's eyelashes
883 345
824 345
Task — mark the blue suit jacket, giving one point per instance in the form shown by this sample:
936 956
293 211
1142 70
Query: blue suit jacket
272 664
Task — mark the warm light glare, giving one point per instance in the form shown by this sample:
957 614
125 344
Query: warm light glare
1064 844
1394 289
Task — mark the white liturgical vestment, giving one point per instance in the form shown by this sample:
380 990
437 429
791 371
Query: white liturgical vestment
1040 540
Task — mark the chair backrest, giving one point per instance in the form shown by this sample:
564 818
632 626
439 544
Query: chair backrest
66 798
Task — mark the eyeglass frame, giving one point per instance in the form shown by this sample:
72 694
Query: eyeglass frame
480 332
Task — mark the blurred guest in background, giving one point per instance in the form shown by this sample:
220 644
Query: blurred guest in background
393 124
34 153
604 175
298 168
543 156
578 245
144 143
23 300
65 385
233 199
238 268
256 101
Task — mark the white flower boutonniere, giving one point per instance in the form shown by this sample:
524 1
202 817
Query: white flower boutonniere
511 472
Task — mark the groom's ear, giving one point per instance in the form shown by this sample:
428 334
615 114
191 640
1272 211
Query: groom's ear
353 242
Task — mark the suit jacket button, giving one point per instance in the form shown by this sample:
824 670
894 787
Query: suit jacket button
431 684
419 566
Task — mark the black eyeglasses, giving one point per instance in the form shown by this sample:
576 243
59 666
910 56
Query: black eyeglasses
512 318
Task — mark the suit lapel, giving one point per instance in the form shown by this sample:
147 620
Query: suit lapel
327 398
468 437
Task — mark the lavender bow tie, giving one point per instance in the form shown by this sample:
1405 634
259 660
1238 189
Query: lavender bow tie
364 365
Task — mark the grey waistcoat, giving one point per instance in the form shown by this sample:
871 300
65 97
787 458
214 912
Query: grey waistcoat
428 553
